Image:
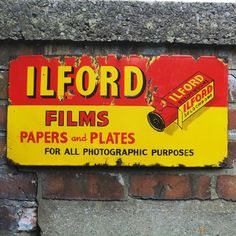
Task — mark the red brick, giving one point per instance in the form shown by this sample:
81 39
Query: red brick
7 218
200 187
90 186
21 186
3 117
226 187
232 118
230 160
3 147
232 149
232 86
170 187
17 216
3 150
3 85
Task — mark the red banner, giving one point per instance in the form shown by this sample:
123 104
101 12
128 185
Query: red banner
109 80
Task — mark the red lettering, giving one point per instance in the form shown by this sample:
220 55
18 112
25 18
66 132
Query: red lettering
93 135
87 119
209 89
64 138
198 97
39 135
204 93
50 116
109 138
103 120
70 121
61 118
55 137
131 138
112 138
46 137
31 137
100 139
23 135
123 138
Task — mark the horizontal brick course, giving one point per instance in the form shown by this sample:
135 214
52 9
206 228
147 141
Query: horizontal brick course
232 85
7 218
3 149
3 85
3 117
170 187
232 149
226 187
232 118
3 146
20 186
17 216
229 162
88 186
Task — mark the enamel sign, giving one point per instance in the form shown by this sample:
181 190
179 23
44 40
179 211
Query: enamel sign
128 111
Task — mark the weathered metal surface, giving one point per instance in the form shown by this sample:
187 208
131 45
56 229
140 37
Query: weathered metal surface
126 111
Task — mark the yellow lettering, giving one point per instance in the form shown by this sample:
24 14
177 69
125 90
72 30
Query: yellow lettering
181 91
177 96
44 83
187 87
91 81
129 71
62 80
199 78
172 98
109 76
30 81
193 82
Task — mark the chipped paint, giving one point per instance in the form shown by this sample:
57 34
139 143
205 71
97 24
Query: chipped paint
127 117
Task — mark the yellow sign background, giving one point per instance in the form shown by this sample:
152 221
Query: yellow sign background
128 119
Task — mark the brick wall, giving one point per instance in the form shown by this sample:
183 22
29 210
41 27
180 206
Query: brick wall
29 195
23 189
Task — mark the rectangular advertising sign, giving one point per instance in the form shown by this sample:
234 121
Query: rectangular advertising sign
118 111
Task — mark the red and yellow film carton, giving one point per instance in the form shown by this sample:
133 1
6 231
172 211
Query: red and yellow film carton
182 102
107 110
